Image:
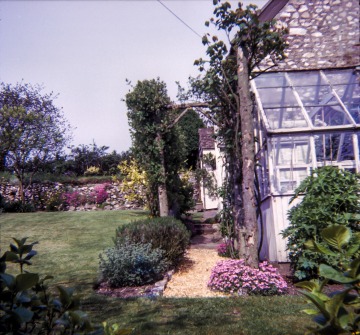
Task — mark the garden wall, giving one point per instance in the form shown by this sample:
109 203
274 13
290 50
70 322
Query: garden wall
49 195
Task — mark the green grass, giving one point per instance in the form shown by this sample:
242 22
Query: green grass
69 245
69 242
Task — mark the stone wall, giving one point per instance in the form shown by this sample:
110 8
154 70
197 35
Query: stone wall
39 194
322 34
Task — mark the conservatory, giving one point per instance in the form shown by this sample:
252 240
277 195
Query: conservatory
305 120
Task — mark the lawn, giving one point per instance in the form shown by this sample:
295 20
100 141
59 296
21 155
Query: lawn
69 245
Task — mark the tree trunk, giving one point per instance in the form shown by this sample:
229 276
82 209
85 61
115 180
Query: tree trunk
248 229
162 191
163 201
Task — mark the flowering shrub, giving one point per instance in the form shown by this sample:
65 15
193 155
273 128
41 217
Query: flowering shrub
74 199
92 171
134 182
99 195
233 276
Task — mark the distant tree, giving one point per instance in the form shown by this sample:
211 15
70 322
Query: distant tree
110 162
32 129
84 156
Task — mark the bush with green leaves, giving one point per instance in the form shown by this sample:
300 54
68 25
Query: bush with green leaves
132 264
338 312
17 206
55 202
165 233
26 305
330 196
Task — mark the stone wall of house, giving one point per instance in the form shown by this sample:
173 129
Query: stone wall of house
40 193
322 34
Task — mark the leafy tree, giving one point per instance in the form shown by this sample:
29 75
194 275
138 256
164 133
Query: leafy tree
189 126
225 86
32 129
110 162
157 144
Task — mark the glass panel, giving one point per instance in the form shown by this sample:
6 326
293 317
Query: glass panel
311 87
327 146
330 115
338 77
314 95
351 98
346 148
346 85
270 80
302 153
277 97
285 118
308 78
292 151
290 179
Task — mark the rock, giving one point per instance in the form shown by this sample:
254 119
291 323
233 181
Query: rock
297 31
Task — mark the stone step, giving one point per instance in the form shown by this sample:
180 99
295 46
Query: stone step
205 228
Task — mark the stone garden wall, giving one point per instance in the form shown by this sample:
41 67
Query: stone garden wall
45 194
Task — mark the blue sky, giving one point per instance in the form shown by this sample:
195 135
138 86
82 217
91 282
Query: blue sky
84 51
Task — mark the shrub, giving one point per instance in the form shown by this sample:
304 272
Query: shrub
134 183
99 195
165 233
74 199
233 276
27 306
92 171
17 206
331 197
132 264
55 202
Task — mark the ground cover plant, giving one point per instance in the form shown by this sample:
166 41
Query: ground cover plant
69 245
235 277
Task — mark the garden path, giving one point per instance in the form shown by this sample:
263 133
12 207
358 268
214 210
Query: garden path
193 273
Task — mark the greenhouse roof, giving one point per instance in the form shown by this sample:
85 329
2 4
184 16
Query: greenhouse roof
308 101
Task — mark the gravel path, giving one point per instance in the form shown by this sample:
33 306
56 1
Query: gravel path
192 275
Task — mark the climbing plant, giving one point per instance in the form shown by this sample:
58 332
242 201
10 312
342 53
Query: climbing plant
158 146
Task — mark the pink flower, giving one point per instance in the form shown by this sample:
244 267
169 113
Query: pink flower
234 276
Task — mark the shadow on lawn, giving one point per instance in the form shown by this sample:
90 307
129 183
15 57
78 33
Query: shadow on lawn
174 320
